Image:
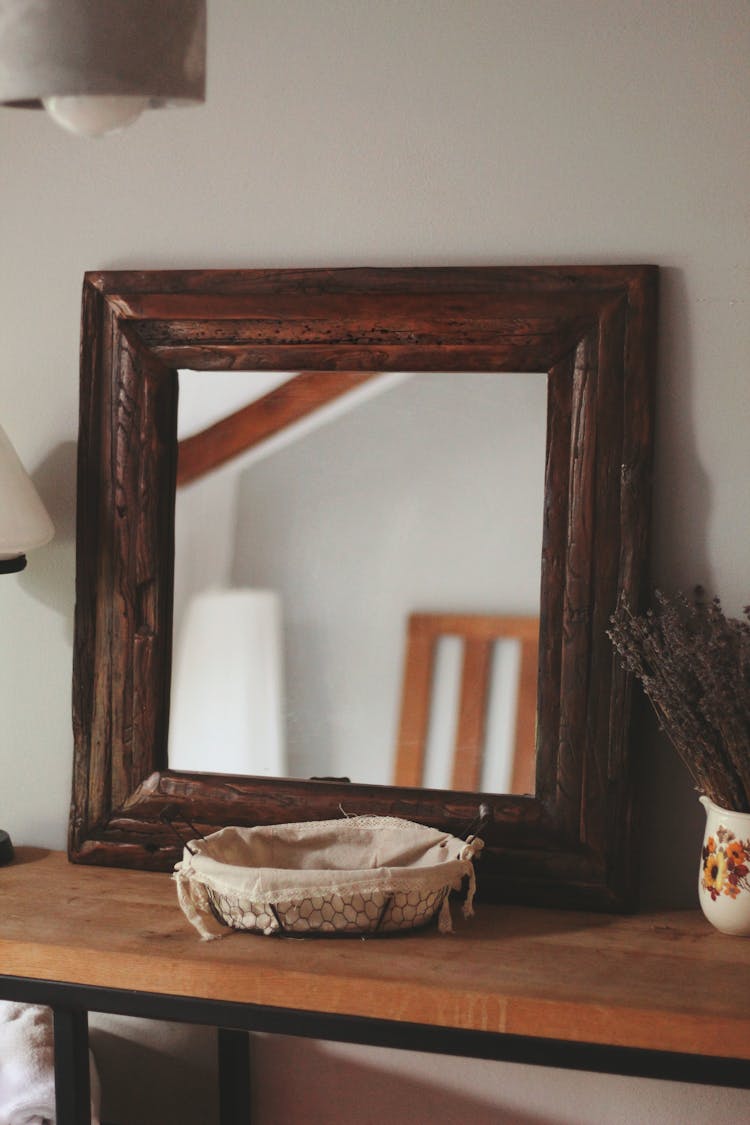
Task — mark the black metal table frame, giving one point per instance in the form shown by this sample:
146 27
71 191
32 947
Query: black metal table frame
71 1004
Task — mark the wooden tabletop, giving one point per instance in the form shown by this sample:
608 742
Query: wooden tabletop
663 981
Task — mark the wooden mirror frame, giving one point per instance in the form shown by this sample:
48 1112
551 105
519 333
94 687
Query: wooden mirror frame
591 328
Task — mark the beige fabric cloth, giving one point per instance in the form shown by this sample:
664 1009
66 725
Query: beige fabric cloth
294 862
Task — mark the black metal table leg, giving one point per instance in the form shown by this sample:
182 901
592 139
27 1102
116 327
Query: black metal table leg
234 1077
72 1092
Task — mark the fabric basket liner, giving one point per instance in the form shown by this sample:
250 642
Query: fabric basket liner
355 875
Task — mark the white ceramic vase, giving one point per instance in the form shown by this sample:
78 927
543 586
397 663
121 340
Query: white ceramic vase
724 876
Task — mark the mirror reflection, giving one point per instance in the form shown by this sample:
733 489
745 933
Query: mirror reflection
357 574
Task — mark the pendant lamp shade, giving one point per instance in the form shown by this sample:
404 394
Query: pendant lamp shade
132 54
24 522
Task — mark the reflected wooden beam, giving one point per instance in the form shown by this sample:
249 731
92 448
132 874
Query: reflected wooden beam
299 396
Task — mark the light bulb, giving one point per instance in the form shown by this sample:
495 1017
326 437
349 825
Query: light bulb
93 116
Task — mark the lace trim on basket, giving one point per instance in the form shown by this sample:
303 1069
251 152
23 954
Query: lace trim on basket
450 876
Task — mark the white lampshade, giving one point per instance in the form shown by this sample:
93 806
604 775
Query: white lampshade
24 522
226 714
95 64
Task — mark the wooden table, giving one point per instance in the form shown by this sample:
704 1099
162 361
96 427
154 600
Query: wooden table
661 995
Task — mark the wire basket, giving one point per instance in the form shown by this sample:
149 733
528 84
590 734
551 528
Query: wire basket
361 875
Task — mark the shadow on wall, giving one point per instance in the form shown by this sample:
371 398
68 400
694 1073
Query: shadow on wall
154 1073
50 575
679 533
302 1082
672 824
671 819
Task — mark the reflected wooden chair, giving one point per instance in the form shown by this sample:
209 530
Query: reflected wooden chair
479 634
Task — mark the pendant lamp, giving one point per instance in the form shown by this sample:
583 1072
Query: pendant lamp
95 65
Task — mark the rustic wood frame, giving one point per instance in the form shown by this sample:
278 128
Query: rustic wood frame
592 328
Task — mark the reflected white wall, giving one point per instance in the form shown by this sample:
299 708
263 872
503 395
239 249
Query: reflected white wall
427 497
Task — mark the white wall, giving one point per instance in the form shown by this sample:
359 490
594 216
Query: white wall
406 132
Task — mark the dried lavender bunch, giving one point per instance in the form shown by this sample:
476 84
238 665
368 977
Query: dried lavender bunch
694 664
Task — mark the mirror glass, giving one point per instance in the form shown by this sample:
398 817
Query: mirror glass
301 562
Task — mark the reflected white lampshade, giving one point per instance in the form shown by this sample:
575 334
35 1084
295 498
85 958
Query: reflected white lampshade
226 713
24 521
96 64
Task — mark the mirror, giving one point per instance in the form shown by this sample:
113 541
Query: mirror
591 329
300 560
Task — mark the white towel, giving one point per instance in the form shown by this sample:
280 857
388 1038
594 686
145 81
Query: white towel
27 1067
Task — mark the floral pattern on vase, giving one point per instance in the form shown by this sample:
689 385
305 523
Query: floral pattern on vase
724 878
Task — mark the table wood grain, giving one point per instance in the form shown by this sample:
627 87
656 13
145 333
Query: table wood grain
664 981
